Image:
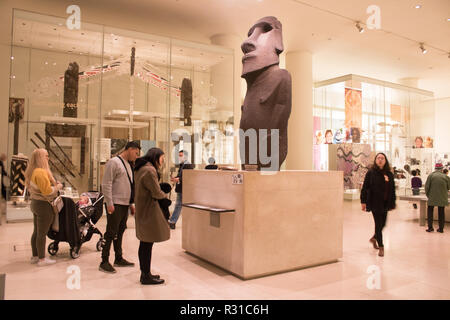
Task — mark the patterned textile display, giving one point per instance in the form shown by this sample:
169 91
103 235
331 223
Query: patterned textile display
18 166
354 159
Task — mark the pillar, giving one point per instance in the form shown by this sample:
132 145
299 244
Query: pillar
233 42
300 128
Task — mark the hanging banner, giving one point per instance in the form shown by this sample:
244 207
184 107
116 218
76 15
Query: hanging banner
353 108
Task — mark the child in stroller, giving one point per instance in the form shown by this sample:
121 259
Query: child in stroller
77 223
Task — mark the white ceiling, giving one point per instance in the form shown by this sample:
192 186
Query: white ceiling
337 46
326 29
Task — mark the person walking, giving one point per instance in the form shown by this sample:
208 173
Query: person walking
416 184
3 174
43 188
118 189
378 196
436 189
182 155
151 225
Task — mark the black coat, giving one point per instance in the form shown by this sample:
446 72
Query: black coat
372 192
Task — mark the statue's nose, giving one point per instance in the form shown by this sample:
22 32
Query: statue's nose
247 47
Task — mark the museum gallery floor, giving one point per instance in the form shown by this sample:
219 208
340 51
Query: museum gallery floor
416 265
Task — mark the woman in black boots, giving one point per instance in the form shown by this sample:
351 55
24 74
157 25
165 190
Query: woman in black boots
378 196
151 226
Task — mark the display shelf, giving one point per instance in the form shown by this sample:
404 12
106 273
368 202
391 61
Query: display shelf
205 208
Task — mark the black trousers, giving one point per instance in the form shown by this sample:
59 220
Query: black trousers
380 221
115 227
145 256
441 215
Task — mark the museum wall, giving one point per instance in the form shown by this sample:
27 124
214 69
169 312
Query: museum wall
99 12
442 132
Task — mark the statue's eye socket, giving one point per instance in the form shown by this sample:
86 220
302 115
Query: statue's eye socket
267 28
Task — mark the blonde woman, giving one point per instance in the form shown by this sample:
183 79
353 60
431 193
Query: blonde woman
43 188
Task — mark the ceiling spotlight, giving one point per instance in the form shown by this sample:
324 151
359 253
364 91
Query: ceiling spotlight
423 48
358 26
418 6
449 55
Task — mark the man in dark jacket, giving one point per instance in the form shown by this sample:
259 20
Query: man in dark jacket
436 188
182 156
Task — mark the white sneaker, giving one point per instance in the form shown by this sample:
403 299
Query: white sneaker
34 260
45 262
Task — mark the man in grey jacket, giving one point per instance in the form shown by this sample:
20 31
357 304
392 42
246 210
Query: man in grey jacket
118 189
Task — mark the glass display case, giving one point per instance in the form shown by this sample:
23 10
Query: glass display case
356 117
82 93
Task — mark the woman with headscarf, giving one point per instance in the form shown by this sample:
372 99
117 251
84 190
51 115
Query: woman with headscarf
151 226
378 196
43 189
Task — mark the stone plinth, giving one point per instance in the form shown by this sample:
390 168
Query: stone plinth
285 221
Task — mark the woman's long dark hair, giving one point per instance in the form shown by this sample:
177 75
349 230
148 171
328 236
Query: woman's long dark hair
151 156
386 168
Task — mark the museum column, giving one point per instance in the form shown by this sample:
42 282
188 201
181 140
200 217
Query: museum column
300 128
233 42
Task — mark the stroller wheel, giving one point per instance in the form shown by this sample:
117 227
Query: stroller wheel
52 248
75 252
99 245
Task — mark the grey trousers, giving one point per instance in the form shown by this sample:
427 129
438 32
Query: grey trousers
43 216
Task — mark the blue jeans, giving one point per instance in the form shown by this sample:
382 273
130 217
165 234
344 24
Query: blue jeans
177 211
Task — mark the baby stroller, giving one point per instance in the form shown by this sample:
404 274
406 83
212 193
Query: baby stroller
77 224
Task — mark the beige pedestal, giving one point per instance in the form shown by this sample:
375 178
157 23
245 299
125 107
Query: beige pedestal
285 221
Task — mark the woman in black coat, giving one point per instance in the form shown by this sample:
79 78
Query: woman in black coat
378 196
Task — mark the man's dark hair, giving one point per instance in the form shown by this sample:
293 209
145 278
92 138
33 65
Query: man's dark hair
132 144
414 173
184 152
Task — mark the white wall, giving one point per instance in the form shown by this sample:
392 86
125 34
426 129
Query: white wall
442 125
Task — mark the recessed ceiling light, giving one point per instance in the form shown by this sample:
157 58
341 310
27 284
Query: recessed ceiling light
418 6
448 19
358 26
423 48
46 62
12 58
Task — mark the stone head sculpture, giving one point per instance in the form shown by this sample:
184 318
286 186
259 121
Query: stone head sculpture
267 104
263 45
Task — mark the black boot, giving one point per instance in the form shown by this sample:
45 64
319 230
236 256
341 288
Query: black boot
146 278
155 276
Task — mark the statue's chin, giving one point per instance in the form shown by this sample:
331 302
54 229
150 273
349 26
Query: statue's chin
254 64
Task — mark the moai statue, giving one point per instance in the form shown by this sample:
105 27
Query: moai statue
186 101
267 104
71 90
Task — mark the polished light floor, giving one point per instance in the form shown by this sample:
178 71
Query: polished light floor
416 265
